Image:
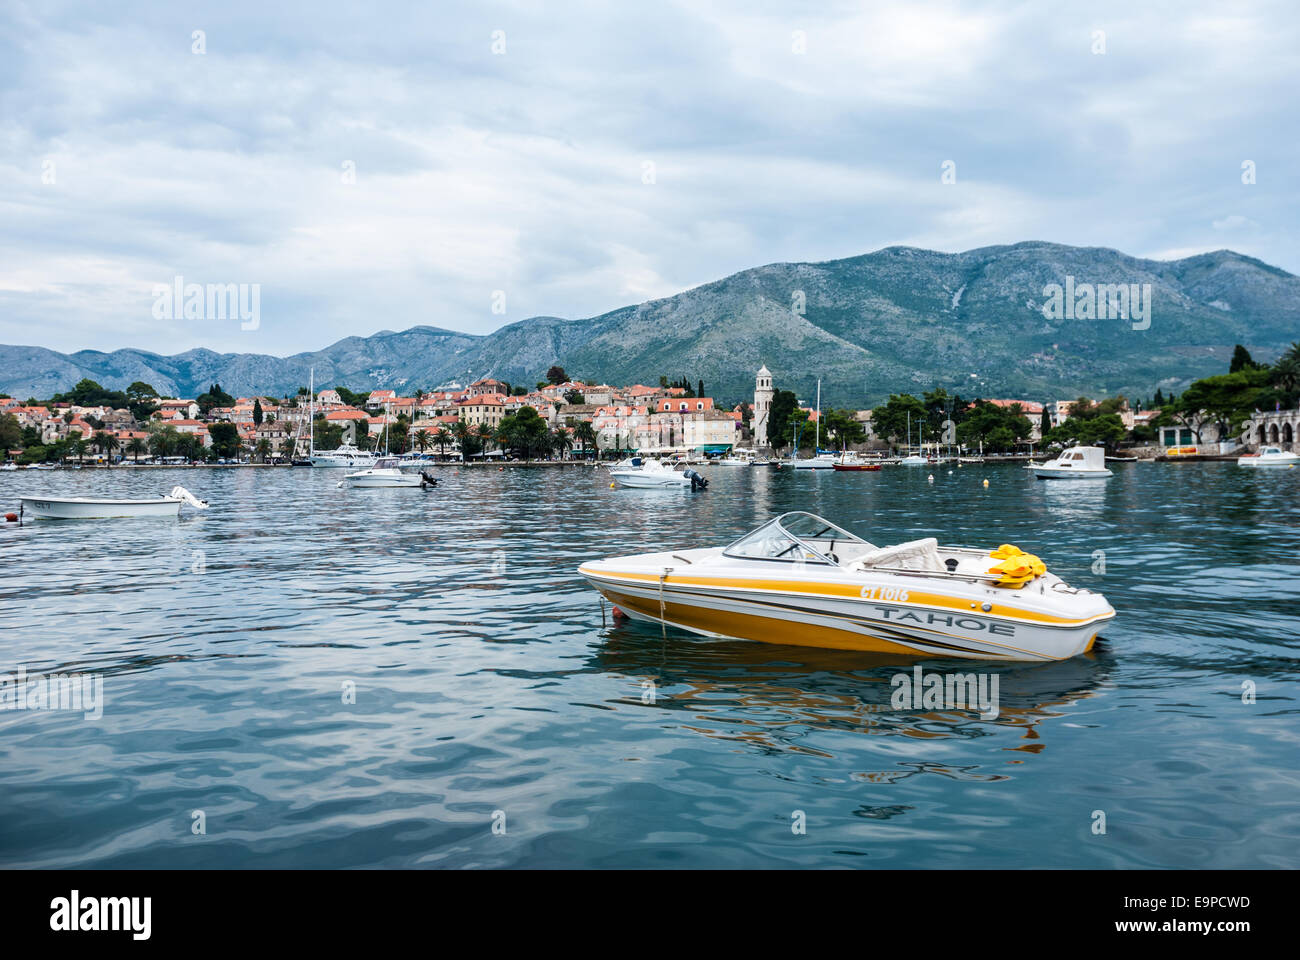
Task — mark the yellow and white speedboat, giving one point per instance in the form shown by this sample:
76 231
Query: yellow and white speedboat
804 581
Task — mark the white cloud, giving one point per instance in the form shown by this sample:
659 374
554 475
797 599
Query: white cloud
523 172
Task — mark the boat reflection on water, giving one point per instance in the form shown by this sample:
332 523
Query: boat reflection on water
771 697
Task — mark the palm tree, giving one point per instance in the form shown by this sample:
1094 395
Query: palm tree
421 439
485 435
585 434
1287 369
462 433
562 441
442 437
136 447
106 443
286 448
507 436
263 449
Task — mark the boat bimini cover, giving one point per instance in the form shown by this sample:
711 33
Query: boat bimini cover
913 555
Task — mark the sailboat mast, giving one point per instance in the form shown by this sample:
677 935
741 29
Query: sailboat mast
311 412
817 432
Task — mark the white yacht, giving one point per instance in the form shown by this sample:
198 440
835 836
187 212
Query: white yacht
347 455
1269 457
1076 463
740 457
823 461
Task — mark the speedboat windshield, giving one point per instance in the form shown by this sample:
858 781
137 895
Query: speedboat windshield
387 463
794 537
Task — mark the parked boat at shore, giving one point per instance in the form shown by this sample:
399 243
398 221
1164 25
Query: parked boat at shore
89 508
1269 457
822 461
801 580
850 461
346 456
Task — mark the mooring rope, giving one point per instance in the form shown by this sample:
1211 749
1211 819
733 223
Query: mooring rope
663 610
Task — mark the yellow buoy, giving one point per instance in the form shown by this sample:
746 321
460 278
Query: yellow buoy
611 486
986 483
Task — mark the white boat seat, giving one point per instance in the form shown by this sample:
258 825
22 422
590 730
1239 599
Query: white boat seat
914 555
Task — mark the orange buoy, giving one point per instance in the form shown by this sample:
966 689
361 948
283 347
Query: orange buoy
618 614
11 518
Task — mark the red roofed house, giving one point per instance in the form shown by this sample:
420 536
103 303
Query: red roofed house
485 408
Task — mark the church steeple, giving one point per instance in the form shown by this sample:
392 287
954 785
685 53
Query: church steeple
763 394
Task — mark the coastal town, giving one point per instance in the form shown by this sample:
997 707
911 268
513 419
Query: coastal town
562 419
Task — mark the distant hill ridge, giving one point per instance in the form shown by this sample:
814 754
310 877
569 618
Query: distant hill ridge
899 319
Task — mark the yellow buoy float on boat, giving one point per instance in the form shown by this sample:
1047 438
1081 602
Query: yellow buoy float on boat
1015 567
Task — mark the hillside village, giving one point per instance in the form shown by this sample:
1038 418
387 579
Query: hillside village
492 419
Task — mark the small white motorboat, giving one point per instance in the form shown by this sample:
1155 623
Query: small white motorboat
88 508
823 461
1075 463
1269 457
39 466
9 467
385 473
650 474
914 460
801 580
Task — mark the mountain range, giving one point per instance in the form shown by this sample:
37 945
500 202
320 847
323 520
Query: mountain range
900 319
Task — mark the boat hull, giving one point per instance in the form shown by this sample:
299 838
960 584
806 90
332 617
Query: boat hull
55 508
342 462
838 616
638 480
1267 463
382 482
1067 473
856 467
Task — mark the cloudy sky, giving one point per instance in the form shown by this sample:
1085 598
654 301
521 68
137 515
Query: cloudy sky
376 167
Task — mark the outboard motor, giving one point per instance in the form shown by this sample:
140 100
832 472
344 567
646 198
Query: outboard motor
697 482
426 480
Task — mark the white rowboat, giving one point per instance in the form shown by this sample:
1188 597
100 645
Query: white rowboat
88 508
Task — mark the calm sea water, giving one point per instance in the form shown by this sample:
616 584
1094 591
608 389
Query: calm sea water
487 681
